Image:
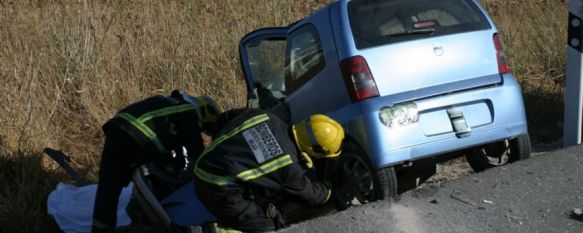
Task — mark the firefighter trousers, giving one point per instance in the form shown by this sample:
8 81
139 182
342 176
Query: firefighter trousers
121 154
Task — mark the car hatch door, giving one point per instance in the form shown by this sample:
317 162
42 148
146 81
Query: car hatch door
262 59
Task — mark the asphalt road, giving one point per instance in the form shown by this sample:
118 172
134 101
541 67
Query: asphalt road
535 195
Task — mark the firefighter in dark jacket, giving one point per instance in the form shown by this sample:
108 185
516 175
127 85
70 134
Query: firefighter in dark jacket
161 130
257 162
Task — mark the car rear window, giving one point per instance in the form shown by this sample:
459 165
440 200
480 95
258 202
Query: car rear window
380 22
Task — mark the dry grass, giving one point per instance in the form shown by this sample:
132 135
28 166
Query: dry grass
68 66
535 33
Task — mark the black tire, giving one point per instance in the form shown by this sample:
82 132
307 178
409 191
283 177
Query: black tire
499 153
387 181
359 183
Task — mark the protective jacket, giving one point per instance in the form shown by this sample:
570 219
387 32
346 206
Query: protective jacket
252 163
161 126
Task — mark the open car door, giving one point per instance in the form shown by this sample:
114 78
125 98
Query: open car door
262 59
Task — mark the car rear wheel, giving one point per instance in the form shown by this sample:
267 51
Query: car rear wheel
359 183
499 153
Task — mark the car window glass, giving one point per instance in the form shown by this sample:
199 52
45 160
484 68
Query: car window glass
392 26
266 61
440 17
304 56
379 22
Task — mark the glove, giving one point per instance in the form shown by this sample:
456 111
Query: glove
307 160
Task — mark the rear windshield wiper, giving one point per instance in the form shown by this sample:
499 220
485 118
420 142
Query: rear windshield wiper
425 31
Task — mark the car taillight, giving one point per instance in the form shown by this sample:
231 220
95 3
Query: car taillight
502 66
358 78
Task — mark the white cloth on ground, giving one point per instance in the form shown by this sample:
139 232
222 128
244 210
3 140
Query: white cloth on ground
72 207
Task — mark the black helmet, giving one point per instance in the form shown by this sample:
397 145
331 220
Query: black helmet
208 110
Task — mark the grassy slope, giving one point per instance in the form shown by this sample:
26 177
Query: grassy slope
535 33
67 66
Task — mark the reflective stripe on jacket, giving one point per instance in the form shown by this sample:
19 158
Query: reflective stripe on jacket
256 149
161 124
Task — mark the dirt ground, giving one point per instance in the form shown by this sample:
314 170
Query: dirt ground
449 170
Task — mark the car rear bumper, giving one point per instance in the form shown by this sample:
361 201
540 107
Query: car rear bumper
492 113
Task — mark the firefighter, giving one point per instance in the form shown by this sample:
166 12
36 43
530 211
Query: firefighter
161 130
257 163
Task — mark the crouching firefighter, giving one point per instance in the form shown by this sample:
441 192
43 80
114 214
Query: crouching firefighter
163 130
257 163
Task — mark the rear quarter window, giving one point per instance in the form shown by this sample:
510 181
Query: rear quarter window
304 56
380 22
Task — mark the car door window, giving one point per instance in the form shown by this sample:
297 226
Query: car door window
266 60
266 63
304 56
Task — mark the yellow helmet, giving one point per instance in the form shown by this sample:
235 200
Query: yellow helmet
320 136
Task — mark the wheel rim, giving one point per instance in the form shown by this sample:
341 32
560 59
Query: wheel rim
497 153
359 180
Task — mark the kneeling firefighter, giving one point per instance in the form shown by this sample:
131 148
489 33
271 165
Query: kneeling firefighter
258 163
163 130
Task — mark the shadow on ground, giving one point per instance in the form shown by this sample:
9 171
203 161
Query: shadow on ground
24 188
544 112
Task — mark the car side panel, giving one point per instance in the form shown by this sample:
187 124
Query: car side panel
342 32
326 91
